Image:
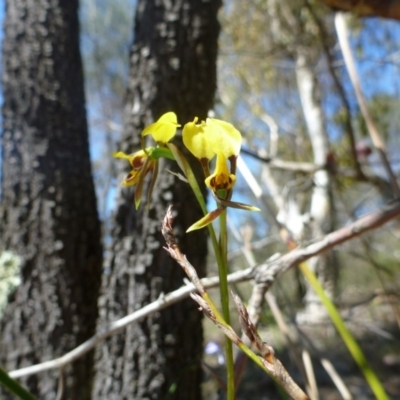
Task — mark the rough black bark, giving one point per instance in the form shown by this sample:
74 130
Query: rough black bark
172 68
48 206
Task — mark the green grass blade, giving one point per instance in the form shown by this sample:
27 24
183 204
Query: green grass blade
346 335
14 387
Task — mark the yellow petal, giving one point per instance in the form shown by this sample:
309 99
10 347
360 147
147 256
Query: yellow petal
197 139
135 159
121 154
225 138
164 129
214 136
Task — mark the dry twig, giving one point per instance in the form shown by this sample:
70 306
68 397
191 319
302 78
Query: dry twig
272 365
270 362
341 29
266 272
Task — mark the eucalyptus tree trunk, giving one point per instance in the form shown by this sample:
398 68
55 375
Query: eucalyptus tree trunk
48 205
320 212
172 68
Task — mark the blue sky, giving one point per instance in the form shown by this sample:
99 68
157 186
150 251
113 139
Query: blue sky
369 65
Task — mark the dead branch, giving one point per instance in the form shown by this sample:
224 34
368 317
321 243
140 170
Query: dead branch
341 30
272 365
266 272
368 8
270 362
117 326
269 271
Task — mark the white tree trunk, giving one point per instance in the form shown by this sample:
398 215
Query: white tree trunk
320 205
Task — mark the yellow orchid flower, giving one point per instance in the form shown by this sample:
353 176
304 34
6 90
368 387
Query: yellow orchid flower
140 163
221 179
164 129
206 139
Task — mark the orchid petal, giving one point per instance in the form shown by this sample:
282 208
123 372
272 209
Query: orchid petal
164 129
197 139
206 139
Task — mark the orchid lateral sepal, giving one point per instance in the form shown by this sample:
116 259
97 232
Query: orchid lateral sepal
207 219
139 185
234 204
141 165
152 184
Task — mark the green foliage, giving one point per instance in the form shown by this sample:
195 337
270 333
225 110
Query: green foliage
14 387
346 335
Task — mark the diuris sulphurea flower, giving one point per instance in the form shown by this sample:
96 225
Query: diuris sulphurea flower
214 137
141 165
205 140
208 139
145 160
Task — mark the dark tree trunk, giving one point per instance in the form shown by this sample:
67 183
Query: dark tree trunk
48 205
172 68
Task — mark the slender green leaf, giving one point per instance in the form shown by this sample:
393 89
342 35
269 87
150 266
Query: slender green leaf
346 335
14 386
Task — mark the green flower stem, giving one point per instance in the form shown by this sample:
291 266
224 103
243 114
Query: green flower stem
347 337
221 254
224 293
14 387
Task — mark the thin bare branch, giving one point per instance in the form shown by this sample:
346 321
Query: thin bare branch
337 380
368 8
294 347
292 166
270 362
117 326
266 272
268 359
295 350
175 253
310 375
341 30
270 271
349 131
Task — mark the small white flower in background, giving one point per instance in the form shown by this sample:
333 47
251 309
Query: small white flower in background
9 276
214 348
